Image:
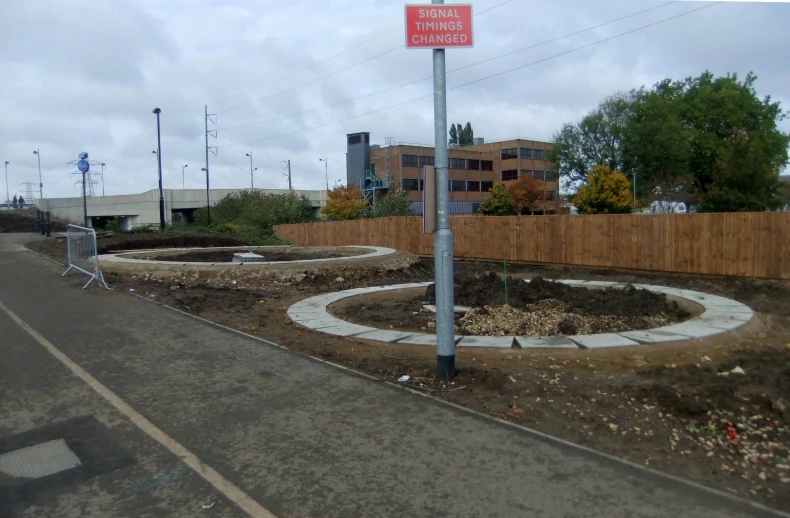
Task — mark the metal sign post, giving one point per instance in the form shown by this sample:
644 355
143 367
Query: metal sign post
84 166
438 26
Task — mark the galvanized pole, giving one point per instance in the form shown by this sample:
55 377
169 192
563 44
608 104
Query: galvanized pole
290 185
443 238
634 191
208 199
40 182
7 193
157 111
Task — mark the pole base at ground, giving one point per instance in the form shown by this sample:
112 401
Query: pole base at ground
445 367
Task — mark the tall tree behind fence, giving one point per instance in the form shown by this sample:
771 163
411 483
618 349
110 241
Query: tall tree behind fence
741 244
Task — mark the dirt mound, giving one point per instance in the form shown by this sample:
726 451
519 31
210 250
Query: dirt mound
225 256
148 241
24 221
549 317
489 290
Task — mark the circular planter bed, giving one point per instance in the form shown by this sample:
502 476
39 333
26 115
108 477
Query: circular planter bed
571 314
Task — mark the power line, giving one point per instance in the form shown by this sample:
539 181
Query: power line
337 54
456 69
491 76
338 71
239 167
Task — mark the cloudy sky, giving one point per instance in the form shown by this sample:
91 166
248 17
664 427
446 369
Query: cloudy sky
85 75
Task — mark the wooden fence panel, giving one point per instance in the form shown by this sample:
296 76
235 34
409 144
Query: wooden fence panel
738 244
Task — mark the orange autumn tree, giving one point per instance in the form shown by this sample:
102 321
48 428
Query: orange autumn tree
527 193
345 202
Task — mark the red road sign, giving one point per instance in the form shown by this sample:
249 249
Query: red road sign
438 26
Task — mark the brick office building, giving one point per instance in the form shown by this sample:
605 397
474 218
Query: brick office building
474 169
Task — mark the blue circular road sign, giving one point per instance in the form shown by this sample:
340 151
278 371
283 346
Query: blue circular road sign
83 166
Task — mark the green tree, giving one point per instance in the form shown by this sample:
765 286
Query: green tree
461 135
393 204
596 139
344 203
706 139
606 192
466 136
499 203
453 135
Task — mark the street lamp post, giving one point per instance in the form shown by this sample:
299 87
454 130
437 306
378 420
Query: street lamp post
40 183
7 194
208 200
252 182
157 111
182 177
634 191
103 165
326 170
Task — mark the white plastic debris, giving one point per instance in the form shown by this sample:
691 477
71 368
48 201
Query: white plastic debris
737 370
404 378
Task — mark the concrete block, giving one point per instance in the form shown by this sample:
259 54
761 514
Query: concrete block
346 329
691 330
495 342
319 324
653 336
605 284
382 335
602 341
720 323
548 342
423 339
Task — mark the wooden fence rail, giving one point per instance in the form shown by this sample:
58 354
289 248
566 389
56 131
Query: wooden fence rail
739 244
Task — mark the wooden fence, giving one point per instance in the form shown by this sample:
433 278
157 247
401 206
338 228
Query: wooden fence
740 244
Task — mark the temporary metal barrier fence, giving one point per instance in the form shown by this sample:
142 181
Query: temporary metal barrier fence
83 255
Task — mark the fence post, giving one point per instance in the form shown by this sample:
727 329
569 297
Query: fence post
48 226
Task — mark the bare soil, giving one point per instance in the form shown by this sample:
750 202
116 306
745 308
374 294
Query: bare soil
670 407
24 221
535 308
222 256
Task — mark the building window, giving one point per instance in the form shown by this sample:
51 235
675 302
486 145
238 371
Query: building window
552 196
551 176
367 138
458 185
473 165
537 154
509 153
512 174
426 160
457 163
525 172
410 184
409 160
354 139
526 153
486 165
538 175
472 186
486 186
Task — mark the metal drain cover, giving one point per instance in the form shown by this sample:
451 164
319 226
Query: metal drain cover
39 460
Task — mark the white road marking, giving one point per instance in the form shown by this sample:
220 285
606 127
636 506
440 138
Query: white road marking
220 483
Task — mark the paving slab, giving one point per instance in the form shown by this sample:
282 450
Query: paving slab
549 342
384 335
653 336
691 329
493 342
346 329
602 341
423 339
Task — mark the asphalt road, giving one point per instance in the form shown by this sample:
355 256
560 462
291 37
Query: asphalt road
140 390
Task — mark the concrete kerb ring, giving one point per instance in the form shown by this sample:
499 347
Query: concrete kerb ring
124 257
720 315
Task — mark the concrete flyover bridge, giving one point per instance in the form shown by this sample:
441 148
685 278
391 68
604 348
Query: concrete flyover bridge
136 210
